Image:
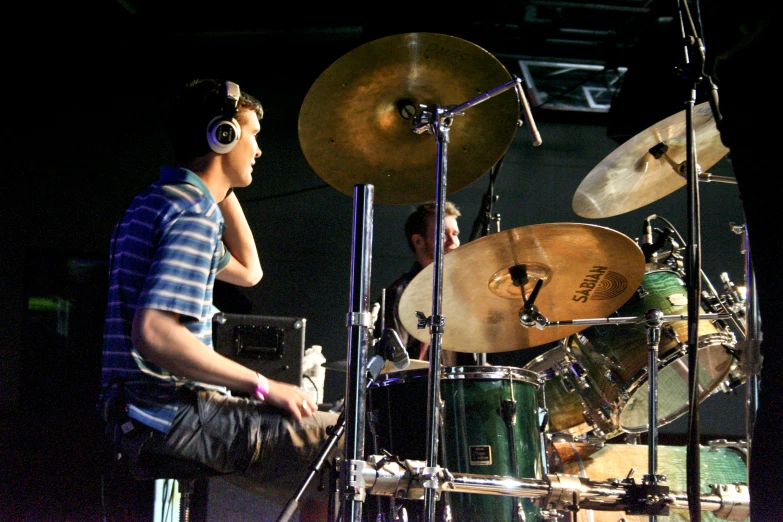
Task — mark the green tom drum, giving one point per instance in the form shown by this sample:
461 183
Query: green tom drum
597 380
489 426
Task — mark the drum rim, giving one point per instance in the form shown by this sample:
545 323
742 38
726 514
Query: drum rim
491 372
462 372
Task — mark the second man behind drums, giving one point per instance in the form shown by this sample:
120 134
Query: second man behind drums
420 233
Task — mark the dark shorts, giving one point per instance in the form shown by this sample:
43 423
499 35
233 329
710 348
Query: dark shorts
254 443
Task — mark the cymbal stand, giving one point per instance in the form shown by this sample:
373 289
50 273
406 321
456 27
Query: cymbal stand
654 320
437 120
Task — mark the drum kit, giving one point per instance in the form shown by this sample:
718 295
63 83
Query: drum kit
503 443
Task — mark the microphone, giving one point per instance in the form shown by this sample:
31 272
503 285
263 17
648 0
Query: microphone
647 240
662 239
524 106
391 348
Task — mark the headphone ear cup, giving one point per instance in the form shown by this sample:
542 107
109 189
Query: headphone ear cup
223 134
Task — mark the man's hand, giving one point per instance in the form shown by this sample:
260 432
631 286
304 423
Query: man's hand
292 399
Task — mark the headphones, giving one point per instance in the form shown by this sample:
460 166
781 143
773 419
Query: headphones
223 131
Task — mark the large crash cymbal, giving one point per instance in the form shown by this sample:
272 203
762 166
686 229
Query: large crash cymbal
647 167
351 125
588 272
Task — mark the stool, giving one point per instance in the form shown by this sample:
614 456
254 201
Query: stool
127 439
186 473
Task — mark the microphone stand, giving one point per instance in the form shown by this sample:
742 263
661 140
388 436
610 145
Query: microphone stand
481 225
374 367
485 215
692 71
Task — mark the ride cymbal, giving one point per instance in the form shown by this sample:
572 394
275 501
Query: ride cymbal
588 272
647 167
356 122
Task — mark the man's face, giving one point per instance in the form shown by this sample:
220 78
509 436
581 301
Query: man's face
240 160
425 246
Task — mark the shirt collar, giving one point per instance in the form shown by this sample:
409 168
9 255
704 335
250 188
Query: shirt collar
183 175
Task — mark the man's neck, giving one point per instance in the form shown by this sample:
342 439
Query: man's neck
209 168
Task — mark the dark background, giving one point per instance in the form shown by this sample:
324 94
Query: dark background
86 102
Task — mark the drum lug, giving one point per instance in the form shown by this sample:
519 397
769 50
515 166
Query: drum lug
726 339
668 331
551 514
575 375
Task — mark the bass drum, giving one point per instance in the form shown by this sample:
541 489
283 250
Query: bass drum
723 463
489 426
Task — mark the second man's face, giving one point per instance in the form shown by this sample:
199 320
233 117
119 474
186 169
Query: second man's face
450 238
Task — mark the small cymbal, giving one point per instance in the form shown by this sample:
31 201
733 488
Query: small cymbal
588 272
647 167
342 366
352 129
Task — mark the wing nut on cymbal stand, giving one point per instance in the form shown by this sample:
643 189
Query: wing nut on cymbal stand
529 314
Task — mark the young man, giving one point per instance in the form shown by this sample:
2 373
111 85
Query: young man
177 237
420 233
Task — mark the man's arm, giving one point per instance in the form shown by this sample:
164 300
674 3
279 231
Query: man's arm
244 267
161 338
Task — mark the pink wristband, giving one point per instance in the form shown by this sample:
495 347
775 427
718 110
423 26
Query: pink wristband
262 388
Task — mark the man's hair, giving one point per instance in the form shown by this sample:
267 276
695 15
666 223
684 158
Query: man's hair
194 107
419 218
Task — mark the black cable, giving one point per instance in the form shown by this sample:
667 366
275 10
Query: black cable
315 387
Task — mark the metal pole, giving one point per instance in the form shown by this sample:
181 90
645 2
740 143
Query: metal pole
358 321
437 322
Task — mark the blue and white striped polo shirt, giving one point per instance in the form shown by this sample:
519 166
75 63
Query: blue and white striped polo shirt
165 252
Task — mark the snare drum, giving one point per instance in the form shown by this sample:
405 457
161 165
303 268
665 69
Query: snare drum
489 426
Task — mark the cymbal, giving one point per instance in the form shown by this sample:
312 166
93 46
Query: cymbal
587 271
342 366
352 129
639 172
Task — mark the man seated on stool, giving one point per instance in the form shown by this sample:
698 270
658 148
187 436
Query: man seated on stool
177 237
